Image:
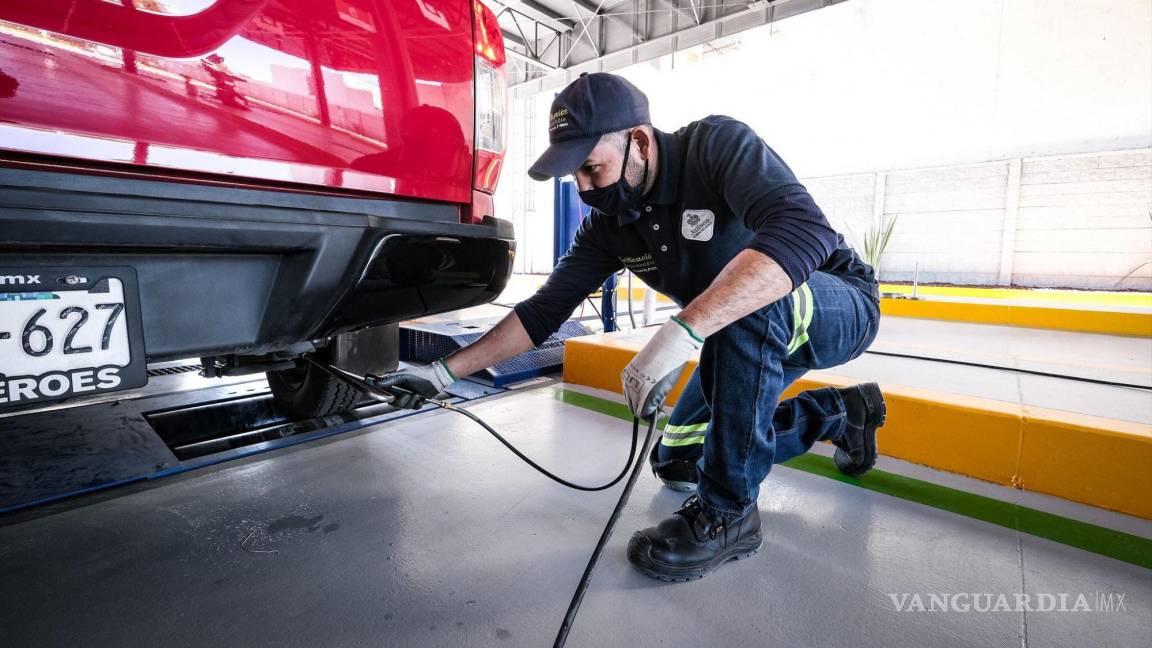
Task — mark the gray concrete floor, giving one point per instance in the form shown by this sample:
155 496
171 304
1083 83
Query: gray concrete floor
1090 355
1079 355
425 532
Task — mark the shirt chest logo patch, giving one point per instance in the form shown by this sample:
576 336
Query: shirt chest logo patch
697 224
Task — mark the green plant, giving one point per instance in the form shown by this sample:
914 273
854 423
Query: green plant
876 240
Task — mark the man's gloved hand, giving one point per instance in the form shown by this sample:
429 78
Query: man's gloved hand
653 372
423 382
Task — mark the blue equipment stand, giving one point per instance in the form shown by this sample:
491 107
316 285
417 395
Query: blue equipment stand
569 210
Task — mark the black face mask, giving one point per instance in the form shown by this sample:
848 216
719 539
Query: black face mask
619 197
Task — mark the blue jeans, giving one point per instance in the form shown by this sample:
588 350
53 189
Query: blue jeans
730 417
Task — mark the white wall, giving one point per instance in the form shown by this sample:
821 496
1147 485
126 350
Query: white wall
1085 221
1078 221
939 97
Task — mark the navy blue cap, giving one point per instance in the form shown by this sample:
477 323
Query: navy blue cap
590 106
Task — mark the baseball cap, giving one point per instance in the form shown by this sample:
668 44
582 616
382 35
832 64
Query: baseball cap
590 106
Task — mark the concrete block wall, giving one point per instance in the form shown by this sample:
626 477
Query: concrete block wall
848 201
1086 219
1069 221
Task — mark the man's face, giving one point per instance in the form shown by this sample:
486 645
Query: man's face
602 166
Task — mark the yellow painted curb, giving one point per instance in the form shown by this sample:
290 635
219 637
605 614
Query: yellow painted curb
1086 297
1061 319
1093 460
1089 459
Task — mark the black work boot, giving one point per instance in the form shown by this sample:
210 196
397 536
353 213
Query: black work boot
865 411
677 474
693 542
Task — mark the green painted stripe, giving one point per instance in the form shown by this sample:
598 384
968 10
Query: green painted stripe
1099 540
1074 533
596 404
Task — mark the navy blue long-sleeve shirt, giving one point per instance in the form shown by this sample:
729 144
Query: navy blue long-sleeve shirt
719 190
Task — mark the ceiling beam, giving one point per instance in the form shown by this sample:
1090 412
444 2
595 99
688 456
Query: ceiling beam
585 30
533 11
531 61
640 9
515 38
760 14
590 7
550 13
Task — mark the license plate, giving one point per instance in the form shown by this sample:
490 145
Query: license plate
65 332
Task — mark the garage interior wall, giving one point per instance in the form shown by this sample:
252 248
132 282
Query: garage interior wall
1011 138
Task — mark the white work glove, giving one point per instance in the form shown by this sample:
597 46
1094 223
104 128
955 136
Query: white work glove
653 372
423 382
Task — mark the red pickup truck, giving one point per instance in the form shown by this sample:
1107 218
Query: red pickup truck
243 181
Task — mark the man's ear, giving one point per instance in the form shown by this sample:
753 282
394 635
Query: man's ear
642 140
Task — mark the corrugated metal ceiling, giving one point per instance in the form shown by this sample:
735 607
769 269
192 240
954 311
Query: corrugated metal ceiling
553 41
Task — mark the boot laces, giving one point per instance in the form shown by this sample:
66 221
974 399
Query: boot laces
693 511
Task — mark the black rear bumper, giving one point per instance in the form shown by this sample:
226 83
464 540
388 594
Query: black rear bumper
247 271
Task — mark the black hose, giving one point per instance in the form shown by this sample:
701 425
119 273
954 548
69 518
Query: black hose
549 475
378 393
586 577
598 550
1033 372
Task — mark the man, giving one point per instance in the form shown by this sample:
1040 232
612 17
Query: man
711 217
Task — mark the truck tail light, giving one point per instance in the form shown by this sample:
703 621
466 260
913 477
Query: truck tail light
486 33
491 98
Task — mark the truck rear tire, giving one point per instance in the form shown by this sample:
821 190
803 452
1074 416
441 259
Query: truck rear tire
308 391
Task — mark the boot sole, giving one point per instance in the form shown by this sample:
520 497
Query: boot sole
673 574
875 422
676 485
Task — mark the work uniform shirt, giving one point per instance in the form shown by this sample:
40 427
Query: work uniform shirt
720 190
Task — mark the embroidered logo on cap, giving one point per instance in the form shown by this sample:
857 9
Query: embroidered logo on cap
697 224
557 120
